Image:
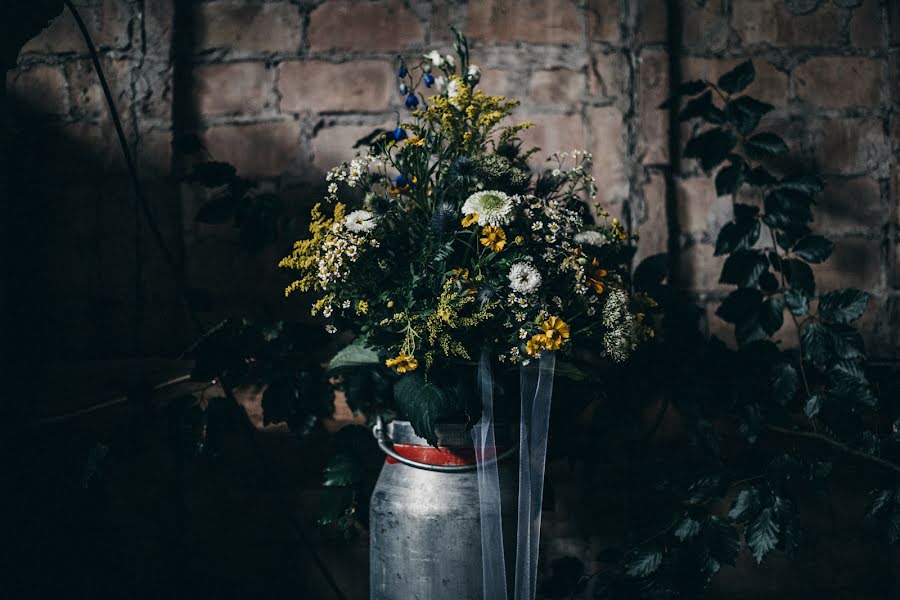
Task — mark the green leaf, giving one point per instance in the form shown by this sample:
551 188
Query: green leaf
814 248
644 564
880 503
710 147
815 342
741 233
424 404
335 503
729 178
745 113
765 145
796 301
687 529
847 381
740 305
785 383
762 534
722 540
813 406
738 78
799 276
342 471
843 306
760 177
847 342
745 505
353 356
702 107
771 314
743 268
809 185
787 210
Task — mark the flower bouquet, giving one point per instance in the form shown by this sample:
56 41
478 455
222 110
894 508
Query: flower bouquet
438 242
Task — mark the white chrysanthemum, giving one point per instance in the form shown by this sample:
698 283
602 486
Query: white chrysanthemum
436 59
360 221
524 278
591 238
492 207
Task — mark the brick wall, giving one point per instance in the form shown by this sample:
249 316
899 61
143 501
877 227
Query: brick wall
283 88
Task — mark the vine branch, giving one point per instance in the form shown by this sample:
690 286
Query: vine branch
812 435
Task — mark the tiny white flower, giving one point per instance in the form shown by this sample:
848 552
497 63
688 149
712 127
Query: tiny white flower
436 59
524 278
451 61
591 238
473 74
331 328
492 207
453 90
440 82
360 221
332 188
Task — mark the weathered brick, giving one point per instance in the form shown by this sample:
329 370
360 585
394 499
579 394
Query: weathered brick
108 23
704 27
39 89
850 206
234 88
85 93
159 24
361 86
769 85
602 20
607 130
699 269
764 21
552 133
258 149
558 86
153 90
535 21
851 146
653 143
653 22
496 82
154 156
866 25
249 28
607 76
854 263
334 143
894 202
654 228
839 82
381 26
700 211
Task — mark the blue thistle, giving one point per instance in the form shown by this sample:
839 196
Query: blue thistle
411 101
444 218
429 80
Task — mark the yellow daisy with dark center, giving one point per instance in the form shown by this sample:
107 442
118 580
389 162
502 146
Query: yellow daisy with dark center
403 363
556 331
493 237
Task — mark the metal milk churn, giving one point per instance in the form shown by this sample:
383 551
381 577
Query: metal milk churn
425 532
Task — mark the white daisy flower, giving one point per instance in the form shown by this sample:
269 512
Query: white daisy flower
360 221
524 278
591 238
492 207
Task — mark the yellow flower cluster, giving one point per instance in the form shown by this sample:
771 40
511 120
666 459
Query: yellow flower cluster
554 332
403 363
306 253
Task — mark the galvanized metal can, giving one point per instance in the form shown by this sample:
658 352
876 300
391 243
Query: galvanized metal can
425 532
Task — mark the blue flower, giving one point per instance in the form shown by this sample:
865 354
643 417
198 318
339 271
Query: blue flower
402 72
411 101
429 80
399 134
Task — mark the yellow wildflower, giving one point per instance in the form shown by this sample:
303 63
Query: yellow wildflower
362 308
535 344
595 277
415 141
470 220
556 331
493 237
403 363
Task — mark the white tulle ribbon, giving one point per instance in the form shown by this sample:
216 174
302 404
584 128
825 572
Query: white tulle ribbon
536 383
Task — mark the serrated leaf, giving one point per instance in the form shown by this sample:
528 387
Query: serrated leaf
341 471
745 113
796 301
799 276
687 528
765 145
740 234
729 178
815 342
880 503
722 540
710 147
740 305
771 314
843 306
353 356
785 383
848 381
745 505
738 78
813 406
814 248
743 268
423 404
644 564
762 534
847 342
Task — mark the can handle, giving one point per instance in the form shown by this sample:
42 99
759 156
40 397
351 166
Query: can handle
382 439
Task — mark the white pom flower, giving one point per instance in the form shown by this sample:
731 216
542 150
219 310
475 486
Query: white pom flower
436 59
524 278
473 74
453 91
360 221
440 82
492 207
451 61
591 238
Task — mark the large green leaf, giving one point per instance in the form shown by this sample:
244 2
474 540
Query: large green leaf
353 356
730 177
742 233
771 314
687 528
843 306
644 564
702 107
800 276
762 534
745 505
816 343
765 145
847 342
424 404
722 539
738 78
710 147
745 113
814 248
342 470
740 305
743 268
796 301
848 381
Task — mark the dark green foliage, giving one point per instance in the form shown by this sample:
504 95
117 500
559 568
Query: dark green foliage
738 78
711 147
424 403
843 306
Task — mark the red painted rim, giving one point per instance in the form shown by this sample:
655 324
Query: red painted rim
438 456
